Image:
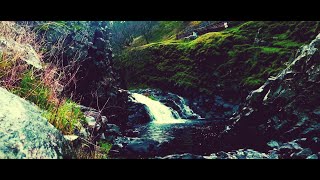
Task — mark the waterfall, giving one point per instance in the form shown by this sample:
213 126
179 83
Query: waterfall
186 110
158 112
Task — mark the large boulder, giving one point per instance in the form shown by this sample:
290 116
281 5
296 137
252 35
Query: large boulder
25 134
137 113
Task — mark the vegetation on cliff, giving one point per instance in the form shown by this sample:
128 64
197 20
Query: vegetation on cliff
235 60
37 65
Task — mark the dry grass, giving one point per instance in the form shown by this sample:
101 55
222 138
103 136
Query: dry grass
55 75
43 86
19 33
17 44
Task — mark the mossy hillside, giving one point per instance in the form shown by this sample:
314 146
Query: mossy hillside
165 30
226 61
172 63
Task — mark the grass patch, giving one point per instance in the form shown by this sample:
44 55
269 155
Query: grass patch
66 117
34 90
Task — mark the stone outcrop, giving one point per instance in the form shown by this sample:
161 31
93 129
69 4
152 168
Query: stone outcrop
285 108
25 134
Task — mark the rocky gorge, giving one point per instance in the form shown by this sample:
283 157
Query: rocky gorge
232 94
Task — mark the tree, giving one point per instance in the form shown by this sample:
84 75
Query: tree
145 28
125 31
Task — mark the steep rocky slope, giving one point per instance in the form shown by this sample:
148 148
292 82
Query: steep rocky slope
284 108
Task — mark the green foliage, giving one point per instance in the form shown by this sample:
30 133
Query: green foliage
33 89
65 117
165 30
105 148
183 79
253 82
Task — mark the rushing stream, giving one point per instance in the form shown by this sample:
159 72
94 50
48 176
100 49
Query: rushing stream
164 118
173 128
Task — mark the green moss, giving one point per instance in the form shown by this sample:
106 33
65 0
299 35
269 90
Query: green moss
288 44
282 36
134 86
228 58
183 79
270 50
153 98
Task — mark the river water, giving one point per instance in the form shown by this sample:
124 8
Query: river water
172 131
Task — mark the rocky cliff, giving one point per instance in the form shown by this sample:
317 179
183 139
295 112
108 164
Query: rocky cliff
285 108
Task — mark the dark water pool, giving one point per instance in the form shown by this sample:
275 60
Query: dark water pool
191 136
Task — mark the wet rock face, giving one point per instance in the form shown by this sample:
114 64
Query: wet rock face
137 114
25 134
239 154
289 150
135 148
182 156
98 83
98 126
285 107
213 107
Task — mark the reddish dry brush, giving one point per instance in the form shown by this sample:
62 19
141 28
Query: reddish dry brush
12 65
54 75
